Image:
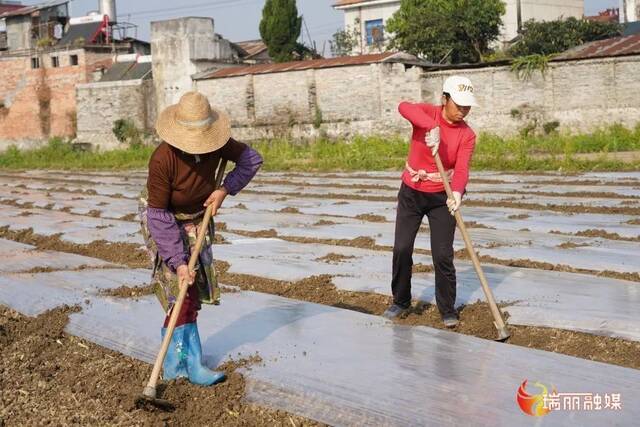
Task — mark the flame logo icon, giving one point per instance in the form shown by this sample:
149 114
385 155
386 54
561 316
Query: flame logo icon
532 404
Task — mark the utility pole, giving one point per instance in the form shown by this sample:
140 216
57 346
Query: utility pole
519 15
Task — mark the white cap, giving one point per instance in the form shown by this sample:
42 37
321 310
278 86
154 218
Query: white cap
461 91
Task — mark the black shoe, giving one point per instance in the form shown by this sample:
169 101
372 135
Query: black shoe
396 312
450 320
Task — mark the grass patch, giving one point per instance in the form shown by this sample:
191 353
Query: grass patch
551 152
361 153
58 154
523 153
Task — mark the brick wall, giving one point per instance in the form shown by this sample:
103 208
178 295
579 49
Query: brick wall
39 103
580 95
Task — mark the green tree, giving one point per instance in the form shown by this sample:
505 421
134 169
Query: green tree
546 38
446 30
280 28
348 41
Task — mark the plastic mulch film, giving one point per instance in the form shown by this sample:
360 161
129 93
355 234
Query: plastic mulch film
33 294
70 227
586 252
580 302
346 368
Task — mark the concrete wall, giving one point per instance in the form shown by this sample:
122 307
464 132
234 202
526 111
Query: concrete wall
18 34
39 103
101 104
183 47
580 95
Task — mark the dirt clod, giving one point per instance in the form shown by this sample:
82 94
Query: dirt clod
128 291
129 217
572 245
333 258
290 210
371 218
324 222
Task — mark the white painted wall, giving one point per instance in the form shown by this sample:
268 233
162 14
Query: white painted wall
629 10
377 10
540 10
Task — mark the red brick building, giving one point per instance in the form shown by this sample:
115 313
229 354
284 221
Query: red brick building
45 55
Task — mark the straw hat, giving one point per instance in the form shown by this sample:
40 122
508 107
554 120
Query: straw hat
193 126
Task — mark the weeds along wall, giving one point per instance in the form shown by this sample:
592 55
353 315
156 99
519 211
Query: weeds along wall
572 96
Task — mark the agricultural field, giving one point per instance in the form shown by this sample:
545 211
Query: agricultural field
305 264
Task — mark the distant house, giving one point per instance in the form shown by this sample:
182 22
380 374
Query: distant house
253 52
629 11
609 15
24 27
370 17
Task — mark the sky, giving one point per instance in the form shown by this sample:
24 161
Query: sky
238 20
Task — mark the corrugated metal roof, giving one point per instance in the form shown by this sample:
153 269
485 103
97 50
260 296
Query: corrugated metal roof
88 32
4 8
302 65
617 46
127 71
252 47
30 9
349 2
342 3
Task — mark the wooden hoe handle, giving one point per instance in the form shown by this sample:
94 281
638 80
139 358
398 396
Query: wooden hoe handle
497 316
150 389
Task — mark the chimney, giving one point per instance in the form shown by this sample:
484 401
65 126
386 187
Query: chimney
108 7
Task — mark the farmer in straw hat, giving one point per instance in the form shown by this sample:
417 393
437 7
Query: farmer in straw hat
180 186
444 131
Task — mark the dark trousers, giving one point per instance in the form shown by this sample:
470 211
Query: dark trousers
413 205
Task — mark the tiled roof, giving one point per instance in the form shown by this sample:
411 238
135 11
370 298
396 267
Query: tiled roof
617 46
300 65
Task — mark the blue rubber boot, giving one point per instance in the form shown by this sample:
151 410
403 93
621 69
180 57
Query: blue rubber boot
198 374
174 364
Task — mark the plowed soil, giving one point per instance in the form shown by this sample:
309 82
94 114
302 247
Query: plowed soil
50 378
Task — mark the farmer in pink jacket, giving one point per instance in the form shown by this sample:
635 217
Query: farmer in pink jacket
422 193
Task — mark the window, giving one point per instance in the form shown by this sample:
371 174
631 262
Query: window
35 63
55 61
375 31
73 59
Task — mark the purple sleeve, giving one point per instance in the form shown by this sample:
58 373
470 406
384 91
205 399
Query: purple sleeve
165 233
246 168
